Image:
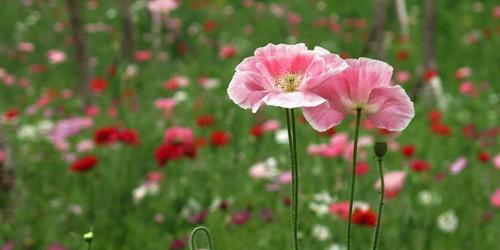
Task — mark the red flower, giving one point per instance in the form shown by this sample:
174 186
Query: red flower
420 165
129 136
257 130
429 74
220 138
434 117
209 26
178 244
98 85
11 114
205 121
483 157
106 135
362 168
240 218
469 131
441 129
408 150
364 217
84 164
173 151
402 55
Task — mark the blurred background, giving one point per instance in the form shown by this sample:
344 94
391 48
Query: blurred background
114 118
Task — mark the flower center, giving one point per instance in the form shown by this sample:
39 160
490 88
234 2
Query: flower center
288 82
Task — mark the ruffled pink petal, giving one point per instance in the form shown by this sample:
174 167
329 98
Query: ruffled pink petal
332 62
245 92
323 117
394 108
293 99
364 74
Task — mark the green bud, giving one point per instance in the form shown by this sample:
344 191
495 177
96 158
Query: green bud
380 149
88 237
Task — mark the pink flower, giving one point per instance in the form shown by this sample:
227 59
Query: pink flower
25 47
227 51
458 165
394 182
468 89
85 145
56 56
162 6
403 76
179 135
271 125
340 209
495 198
166 105
284 76
365 85
496 161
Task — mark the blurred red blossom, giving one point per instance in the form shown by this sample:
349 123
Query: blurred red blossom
220 138
106 135
408 150
365 217
420 165
84 164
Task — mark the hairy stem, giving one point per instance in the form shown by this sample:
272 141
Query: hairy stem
290 121
381 203
353 177
192 238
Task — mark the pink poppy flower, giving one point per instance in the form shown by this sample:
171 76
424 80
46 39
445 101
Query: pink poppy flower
458 165
162 6
284 76
394 182
495 198
468 88
340 209
166 105
496 161
56 56
365 85
178 135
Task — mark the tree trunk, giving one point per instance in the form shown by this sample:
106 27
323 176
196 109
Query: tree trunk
127 36
429 35
375 44
7 167
402 18
81 48
428 44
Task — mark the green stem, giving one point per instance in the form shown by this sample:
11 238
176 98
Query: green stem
381 203
353 176
192 238
89 246
290 121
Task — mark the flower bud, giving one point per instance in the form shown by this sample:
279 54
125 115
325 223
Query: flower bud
380 149
88 237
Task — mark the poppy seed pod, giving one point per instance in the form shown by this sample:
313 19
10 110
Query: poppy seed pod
380 149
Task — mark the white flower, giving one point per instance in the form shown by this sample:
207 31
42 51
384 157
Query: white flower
147 188
427 198
281 136
320 232
323 197
45 126
336 246
319 209
181 96
27 132
264 170
448 221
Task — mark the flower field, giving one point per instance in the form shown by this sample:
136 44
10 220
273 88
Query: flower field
127 124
